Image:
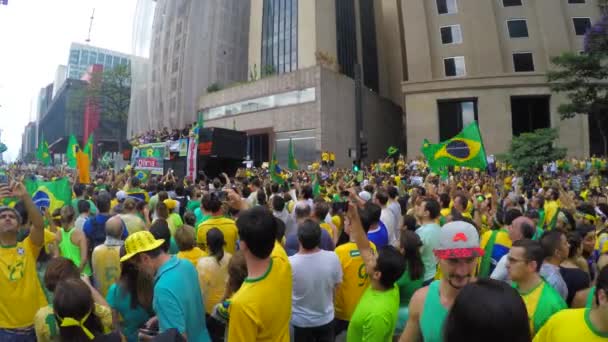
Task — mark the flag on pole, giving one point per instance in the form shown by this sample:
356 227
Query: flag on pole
49 195
42 154
292 164
88 147
72 150
84 164
275 170
316 187
465 149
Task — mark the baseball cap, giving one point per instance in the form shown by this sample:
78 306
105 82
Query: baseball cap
366 196
121 195
170 203
458 239
139 242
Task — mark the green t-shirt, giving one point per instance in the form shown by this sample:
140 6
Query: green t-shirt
175 222
541 302
407 287
192 205
93 210
375 316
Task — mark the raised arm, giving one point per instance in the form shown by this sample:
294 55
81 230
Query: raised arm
37 231
358 234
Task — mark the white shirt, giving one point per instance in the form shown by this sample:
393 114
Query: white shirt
388 219
500 271
313 292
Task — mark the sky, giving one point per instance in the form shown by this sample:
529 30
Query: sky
35 37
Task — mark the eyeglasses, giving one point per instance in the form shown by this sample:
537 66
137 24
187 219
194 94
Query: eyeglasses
512 260
5 216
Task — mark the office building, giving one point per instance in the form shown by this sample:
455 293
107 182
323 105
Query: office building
82 56
28 142
194 45
487 61
60 77
303 58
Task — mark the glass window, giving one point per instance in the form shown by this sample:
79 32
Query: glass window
523 62
451 34
279 30
454 115
509 3
74 56
124 61
447 6
518 28
116 61
84 57
529 113
101 58
581 25
576 1
454 66
303 144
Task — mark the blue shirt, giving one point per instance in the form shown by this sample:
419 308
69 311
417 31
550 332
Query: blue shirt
96 235
178 301
132 318
292 245
379 236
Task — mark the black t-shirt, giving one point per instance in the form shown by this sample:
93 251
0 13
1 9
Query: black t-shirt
576 280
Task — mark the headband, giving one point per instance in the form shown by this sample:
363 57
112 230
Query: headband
72 322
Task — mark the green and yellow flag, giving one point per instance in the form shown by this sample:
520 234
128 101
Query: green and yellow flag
465 149
42 154
292 164
88 148
50 195
275 170
72 150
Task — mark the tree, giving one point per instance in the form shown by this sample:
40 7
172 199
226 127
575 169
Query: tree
583 77
110 91
530 151
217 86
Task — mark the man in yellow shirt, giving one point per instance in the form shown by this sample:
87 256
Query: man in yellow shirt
588 324
211 203
105 259
261 309
354 282
21 293
551 208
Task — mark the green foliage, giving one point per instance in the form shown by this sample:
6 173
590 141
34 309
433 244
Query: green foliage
530 151
268 70
216 86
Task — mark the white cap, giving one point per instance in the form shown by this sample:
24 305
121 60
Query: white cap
366 196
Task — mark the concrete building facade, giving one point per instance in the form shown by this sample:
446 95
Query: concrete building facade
303 56
82 56
487 61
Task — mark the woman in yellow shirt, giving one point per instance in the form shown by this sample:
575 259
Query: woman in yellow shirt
213 270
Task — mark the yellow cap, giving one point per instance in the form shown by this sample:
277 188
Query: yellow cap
141 241
170 203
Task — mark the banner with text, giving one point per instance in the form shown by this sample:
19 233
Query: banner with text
150 157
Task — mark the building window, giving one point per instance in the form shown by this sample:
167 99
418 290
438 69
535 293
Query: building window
369 44
454 66
529 113
454 115
576 1
581 25
447 6
511 3
279 36
451 34
346 35
175 65
523 62
518 28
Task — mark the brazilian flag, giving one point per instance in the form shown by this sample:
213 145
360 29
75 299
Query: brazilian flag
143 175
465 149
275 170
50 195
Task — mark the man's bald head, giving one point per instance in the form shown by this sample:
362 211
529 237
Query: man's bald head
114 227
522 228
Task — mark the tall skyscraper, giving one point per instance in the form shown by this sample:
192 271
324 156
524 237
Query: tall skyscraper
83 56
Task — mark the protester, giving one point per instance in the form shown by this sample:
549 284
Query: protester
261 308
211 203
72 242
313 293
178 302
542 301
412 278
457 252
521 228
576 279
556 249
428 213
94 228
129 216
186 243
105 259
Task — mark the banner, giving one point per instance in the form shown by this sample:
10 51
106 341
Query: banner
191 159
183 147
150 157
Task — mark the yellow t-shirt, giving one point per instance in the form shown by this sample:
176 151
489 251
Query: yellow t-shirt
228 228
192 255
106 267
570 325
337 221
21 293
355 280
551 209
212 277
445 212
47 329
279 252
261 309
328 229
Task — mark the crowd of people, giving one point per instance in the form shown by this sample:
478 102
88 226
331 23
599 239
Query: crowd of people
161 135
388 253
